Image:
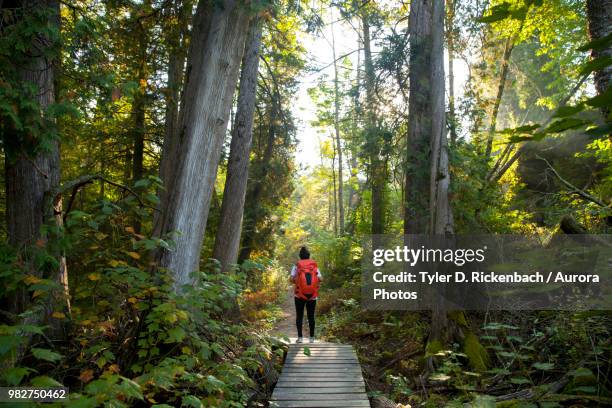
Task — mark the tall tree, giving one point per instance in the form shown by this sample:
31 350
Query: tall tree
177 43
216 50
227 241
337 135
450 41
418 153
377 165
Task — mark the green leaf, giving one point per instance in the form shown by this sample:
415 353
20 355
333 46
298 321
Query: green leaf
44 381
307 351
561 125
13 376
565 111
597 44
47 355
130 388
596 64
175 335
191 401
543 366
519 380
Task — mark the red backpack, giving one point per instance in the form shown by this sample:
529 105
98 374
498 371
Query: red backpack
306 279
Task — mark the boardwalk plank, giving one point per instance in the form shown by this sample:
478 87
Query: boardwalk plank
320 404
320 390
327 375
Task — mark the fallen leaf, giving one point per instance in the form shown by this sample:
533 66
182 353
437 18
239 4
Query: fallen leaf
134 255
86 376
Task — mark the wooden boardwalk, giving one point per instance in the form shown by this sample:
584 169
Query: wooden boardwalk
329 377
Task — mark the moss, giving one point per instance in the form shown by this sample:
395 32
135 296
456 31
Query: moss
476 353
459 318
433 347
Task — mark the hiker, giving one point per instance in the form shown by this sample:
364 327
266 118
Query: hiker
306 278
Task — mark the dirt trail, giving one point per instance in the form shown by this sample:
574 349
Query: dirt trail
286 324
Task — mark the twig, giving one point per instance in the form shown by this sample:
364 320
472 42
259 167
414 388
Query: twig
572 187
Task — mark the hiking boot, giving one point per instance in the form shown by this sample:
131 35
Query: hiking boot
300 340
312 340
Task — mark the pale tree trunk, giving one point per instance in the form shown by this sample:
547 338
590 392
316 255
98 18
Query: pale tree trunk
377 170
227 241
214 65
599 13
334 191
441 216
30 180
177 39
337 136
416 210
450 35
172 136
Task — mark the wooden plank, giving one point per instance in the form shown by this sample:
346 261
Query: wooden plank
327 348
318 373
317 397
319 360
321 384
328 376
317 366
320 404
325 377
301 351
322 376
320 390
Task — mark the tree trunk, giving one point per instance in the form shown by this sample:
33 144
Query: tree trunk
176 69
441 216
509 46
377 170
32 173
214 63
450 35
172 143
599 14
254 195
416 211
227 241
337 137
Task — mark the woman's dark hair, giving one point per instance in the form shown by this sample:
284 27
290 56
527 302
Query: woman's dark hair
304 253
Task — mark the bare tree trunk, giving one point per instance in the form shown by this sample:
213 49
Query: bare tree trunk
202 21
214 64
334 195
509 46
337 137
416 210
227 241
441 216
450 35
253 197
599 13
377 170
176 70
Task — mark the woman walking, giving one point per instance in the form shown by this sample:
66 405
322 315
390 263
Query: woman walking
306 278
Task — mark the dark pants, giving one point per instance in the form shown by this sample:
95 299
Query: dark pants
299 314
